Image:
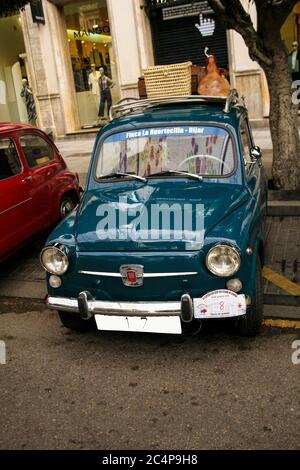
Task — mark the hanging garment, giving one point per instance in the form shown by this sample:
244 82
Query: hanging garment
26 93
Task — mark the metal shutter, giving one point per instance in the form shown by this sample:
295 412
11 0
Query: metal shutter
178 40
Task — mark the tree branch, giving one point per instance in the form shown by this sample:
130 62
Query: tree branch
275 11
235 17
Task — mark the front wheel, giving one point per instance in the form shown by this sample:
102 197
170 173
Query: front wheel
75 323
250 323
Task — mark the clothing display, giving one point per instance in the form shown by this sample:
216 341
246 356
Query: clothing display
294 61
26 93
105 98
96 58
94 82
105 83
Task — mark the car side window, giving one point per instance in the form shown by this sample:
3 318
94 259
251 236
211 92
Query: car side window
10 164
36 150
246 144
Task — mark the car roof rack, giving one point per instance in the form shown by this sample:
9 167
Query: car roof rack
130 105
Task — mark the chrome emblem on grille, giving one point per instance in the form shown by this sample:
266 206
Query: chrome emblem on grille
132 275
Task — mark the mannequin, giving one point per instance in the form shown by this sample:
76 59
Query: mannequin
105 84
94 86
27 95
293 61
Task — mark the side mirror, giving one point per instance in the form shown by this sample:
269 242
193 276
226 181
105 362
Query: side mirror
255 153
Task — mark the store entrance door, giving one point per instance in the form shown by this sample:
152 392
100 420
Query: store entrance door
180 34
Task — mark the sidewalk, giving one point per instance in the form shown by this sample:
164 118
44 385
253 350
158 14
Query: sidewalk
77 154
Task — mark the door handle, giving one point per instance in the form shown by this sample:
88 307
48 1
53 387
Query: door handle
28 179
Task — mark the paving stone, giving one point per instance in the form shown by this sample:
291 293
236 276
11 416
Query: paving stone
283 250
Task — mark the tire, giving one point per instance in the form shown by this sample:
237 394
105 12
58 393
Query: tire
75 323
250 323
67 204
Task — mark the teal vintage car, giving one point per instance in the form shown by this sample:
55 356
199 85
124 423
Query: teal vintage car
170 228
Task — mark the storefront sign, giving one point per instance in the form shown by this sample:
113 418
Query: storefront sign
192 9
88 36
91 32
37 12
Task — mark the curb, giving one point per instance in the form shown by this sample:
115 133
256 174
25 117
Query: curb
25 290
282 300
295 325
283 209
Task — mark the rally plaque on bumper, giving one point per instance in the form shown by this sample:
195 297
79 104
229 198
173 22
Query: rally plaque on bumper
220 304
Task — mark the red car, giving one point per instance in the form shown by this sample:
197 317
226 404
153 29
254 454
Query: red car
36 187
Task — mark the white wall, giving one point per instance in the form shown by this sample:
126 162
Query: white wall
16 74
246 75
240 57
131 42
11 45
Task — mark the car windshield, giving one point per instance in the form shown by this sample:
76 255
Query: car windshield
200 150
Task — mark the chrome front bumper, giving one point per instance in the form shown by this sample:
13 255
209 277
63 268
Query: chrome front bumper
86 307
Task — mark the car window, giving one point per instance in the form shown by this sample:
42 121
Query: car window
36 150
203 150
10 164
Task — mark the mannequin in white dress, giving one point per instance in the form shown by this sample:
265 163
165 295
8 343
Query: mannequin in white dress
94 85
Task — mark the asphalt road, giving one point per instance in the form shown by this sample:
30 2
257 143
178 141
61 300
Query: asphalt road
63 390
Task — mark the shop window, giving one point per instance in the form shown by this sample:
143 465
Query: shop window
12 70
91 48
89 40
10 164
36 150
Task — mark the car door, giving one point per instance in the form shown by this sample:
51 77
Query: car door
252 167
40 159
15 198
255 174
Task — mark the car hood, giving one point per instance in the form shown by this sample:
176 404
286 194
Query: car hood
117 216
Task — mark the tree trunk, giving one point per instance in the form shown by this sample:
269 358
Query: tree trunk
283 121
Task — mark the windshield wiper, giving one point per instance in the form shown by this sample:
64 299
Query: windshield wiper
176 172
119 174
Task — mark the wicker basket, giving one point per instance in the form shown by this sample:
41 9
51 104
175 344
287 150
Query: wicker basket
169 80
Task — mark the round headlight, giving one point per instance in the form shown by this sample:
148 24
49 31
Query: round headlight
54 260
223 260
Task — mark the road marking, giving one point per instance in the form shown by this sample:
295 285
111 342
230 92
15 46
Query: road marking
280 281
283 323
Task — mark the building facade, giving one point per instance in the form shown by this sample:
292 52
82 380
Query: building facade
56 45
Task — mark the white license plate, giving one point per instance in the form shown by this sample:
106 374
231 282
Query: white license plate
220 304
168 325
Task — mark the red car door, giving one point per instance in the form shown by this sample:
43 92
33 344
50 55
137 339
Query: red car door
40 159
15 199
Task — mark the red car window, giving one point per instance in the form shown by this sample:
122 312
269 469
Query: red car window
10 164
36 150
